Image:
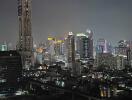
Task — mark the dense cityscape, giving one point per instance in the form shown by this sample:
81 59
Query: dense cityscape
70 67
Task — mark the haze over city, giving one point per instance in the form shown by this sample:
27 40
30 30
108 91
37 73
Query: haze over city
65 50
109 19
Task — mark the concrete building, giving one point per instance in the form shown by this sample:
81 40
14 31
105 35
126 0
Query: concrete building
103 46
120 62
124 49
84 45
70 44
107 60
10 69
25 43
3 47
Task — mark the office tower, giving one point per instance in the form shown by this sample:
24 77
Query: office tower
90 37
84 45
122 43
25 43
71 47
70 44
121 49
104 55
106 60
120 60
101 46
128 52
59 47
124 50
51 46
3 47
50 50
10 68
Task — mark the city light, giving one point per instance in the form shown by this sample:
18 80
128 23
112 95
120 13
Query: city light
50 38
67 61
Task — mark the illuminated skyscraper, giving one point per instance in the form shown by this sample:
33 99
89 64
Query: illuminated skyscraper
71 47
25 43
84 44
124 50
70 44
51 46
90 37
103 46
59 47
3 47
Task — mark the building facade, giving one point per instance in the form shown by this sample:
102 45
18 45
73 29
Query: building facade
84 44
70 44
25 43
10 68
103 46
106 60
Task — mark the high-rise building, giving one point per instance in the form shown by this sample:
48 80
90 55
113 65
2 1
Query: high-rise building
120 60
121 49
71 47
50 50
106 60
90 36
84 44
25 43
103 46
59 47
3 47
51 46
124 49
10 68
70 44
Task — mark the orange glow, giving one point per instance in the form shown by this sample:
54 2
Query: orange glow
39 50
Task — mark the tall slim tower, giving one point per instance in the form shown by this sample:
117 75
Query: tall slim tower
71 52
25 43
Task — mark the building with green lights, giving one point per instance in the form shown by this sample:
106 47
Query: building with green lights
3 47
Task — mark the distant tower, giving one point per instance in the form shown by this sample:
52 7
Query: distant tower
90 38
71 52
25 43
103 46
84 44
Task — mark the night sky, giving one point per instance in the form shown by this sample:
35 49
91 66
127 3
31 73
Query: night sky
109 19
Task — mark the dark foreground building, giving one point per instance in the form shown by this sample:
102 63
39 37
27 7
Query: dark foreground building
10 69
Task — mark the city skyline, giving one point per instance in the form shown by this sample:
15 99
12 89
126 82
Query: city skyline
108 19
65 50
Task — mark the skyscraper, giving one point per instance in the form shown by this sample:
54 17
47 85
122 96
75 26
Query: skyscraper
90 37
84 44
3 47
25 43
70 44
71 47
103 46
124 50
59 47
